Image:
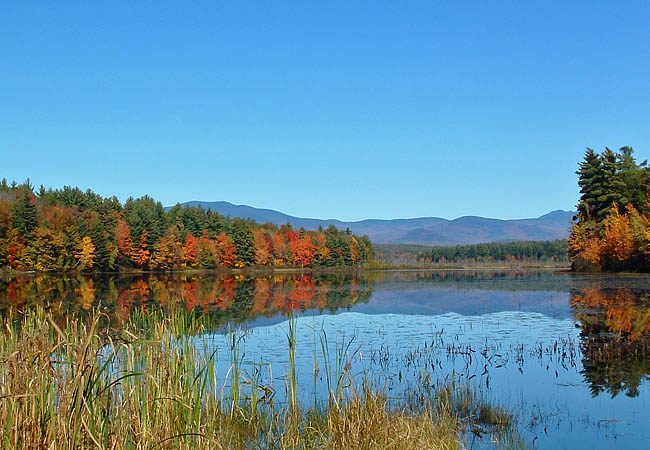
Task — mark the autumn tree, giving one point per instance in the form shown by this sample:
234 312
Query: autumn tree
618 246
70 229
142 253
190 251
167 254
303 251
612 223
280 249
225 248
263 252
86 254
50 250
126 250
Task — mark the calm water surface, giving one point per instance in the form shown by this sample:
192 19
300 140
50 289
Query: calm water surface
567 354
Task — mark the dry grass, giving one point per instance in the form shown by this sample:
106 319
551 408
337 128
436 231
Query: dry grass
79 387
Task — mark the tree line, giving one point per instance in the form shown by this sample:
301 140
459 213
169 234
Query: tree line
72 230
611 231
527 251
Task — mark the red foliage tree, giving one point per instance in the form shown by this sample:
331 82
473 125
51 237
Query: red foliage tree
225 250
189 251
125 247
303 251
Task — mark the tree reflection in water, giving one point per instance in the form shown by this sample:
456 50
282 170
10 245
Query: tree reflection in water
615 341
225 298
614 322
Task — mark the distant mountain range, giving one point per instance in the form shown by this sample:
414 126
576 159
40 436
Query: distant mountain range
423 230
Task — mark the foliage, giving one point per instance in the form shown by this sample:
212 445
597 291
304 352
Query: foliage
68 229
612 229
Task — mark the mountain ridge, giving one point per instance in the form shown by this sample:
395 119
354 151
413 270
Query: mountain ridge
418 230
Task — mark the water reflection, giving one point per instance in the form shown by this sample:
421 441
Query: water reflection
566 351
614 341
614 320
231 298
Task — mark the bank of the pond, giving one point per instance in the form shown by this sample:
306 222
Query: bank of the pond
265 270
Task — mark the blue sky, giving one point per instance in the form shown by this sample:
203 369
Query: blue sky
346 110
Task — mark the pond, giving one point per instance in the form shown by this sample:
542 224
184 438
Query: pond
567 354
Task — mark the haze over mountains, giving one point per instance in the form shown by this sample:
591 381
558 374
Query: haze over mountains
423 230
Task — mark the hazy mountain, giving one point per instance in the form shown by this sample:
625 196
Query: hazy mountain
423 230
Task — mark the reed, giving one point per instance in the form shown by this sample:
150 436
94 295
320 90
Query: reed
337 372
81 385
293 381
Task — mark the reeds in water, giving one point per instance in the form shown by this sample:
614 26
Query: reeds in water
79 385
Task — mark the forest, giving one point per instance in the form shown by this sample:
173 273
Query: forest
71 230
611 231
475 254
529 251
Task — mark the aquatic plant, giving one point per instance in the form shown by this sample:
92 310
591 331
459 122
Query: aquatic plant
82 385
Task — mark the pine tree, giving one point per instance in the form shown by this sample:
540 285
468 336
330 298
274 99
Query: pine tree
635 179
244 242
102 255
590 174
25 216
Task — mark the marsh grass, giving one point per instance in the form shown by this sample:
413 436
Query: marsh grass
149 386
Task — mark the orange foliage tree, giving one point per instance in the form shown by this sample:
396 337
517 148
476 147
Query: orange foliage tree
189 251
303 251
617 240
263 252
142 254
225 250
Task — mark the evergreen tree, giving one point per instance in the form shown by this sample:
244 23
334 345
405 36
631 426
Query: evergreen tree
25 218
611 178
98 237
244 242
634 179
591 176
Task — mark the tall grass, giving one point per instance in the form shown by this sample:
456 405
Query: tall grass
337 372
78 385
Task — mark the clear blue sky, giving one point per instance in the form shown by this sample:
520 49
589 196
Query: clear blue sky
346 110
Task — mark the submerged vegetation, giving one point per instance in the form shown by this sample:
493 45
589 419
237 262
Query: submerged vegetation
612 228
70 230
85 385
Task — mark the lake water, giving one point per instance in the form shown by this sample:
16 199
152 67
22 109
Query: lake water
567 354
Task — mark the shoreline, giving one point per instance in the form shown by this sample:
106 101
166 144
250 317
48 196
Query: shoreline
261 271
